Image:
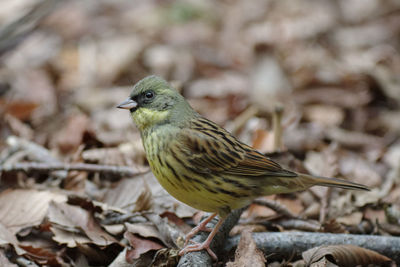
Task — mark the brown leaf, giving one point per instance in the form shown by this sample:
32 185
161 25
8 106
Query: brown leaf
376 215
143 229
20 109
127 192
139 246
247 253
41 255
346 255
333 226
76 220
263 141
351 219
70 136
25 208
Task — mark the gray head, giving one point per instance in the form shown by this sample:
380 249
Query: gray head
153 101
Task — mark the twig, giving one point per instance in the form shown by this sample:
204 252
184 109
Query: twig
287 244
21 148
202 258
275 206
47 167
33 151
301 225
244 117
277 127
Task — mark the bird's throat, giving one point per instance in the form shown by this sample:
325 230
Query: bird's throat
145 118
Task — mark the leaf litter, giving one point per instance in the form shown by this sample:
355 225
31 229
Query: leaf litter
332 67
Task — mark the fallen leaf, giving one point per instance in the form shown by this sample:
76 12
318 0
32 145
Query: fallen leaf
376 215
247 253
43 256
346 255
70 137
74 219
8 238
333 226
20 109
139 246
25 208
359 169
126 194
351 219
143 229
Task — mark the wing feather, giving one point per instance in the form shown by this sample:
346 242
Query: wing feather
210 148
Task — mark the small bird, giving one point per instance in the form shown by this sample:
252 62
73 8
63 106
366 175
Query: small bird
201 164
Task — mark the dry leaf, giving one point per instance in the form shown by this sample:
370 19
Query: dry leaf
42 255
70 137
351 219
25 208
247 253
7 238
143 229
20 109
359 169
346 255
333 226
77 220
139 246
126 194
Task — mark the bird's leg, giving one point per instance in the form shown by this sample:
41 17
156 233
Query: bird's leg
206 244
200 227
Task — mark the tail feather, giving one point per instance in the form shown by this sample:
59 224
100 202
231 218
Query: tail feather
331 182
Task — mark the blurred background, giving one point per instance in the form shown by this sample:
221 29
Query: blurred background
331 63
326 71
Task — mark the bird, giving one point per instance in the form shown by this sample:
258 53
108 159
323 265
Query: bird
203 165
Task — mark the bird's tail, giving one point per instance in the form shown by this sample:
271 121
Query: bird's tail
331 182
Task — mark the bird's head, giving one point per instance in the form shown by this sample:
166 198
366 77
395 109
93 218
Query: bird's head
154 102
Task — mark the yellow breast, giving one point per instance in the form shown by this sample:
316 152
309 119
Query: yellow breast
188 187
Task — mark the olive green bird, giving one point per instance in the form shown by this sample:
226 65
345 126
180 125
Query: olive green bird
203 165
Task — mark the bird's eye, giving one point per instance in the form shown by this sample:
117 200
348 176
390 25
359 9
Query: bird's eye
149 95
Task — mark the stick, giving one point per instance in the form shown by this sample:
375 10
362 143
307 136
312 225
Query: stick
287 244
47 167
277 127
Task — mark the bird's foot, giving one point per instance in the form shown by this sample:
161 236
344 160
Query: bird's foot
199 247
200 227
194 231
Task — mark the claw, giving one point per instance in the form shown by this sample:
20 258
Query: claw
199 247
200 227
206 244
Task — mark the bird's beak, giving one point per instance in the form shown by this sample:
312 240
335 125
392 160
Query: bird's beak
128 104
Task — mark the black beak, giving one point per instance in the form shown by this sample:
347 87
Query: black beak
128 104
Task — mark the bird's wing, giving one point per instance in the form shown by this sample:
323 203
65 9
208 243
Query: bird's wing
210 148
